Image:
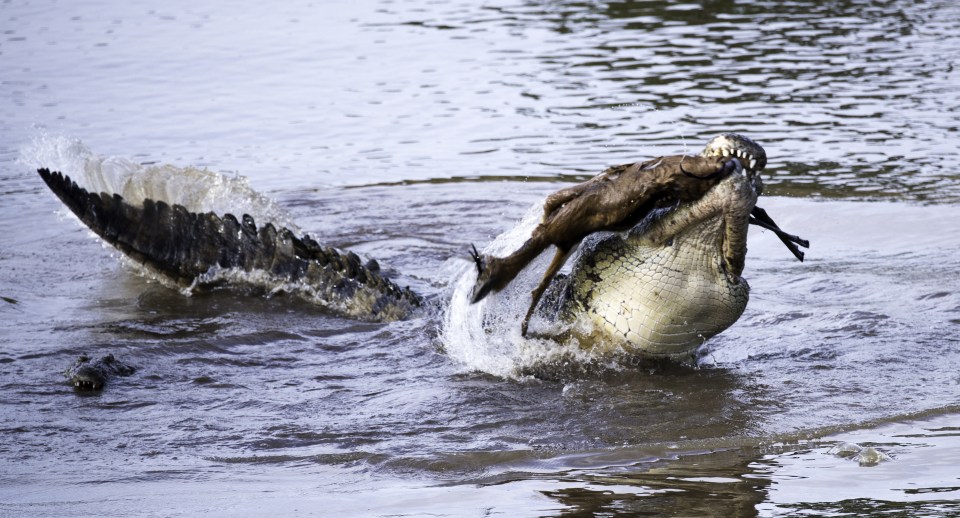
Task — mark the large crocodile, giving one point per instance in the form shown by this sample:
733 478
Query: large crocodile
195 250
674 279
670 283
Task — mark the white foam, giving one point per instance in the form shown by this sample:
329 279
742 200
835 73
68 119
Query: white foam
486 336
198 190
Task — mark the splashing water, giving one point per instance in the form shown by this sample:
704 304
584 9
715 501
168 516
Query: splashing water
482 337
197 190
486 336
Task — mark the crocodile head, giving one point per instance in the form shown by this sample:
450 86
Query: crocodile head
751 155
88 375
88 378
675 279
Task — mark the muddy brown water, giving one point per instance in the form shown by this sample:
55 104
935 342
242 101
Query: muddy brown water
407 131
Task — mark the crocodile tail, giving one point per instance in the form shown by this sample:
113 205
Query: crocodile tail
192 249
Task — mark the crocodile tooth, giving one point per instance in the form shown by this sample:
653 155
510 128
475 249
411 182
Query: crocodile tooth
726 152
753 163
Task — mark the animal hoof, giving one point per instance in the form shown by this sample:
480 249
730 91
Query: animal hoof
477 259
482 288
485 282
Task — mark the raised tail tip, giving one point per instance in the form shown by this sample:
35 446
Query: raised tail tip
54 179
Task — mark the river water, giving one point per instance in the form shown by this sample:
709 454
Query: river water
408 130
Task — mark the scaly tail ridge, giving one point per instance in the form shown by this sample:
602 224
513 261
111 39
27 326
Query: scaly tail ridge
191 248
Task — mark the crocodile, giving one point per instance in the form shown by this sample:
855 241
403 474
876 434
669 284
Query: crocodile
678 265
87 375
198 251
675 278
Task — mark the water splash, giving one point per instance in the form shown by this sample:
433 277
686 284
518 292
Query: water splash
198 190
486 336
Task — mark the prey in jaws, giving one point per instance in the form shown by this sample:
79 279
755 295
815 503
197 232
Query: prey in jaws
666 279
622 197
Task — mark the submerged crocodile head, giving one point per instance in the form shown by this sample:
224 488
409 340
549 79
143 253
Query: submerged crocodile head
88 375
674 280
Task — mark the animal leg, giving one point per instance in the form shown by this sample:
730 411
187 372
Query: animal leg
760 218
495 273
558 259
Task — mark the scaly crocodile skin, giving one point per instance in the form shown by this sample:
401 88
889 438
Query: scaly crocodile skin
666 287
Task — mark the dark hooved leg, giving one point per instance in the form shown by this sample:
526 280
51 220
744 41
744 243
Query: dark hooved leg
495 273
558 259
760 218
